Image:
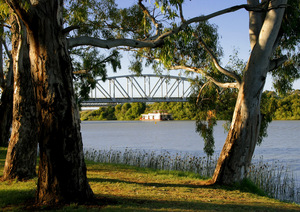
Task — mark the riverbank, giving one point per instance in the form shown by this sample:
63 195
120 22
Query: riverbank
126 188
272 106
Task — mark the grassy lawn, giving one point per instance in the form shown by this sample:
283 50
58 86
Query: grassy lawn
125 188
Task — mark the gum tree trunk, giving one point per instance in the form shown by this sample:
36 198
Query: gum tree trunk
21 154
62 170
239 147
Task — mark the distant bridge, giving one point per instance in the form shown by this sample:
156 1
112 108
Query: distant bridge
142 88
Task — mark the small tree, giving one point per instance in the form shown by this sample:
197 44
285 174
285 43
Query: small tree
266 36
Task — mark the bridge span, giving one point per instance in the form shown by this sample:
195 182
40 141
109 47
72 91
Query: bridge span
142 88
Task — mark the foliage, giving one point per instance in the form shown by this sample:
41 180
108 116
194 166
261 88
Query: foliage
214 103
103 113
89 66
281 108
4 11
221 107
288 44
288 108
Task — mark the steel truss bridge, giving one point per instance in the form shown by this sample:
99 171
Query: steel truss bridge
142 88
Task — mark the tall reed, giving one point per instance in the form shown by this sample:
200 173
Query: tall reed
163 160
275 179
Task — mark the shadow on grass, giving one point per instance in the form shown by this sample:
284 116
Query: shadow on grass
100 180
19 200
140 204
3 151
16 197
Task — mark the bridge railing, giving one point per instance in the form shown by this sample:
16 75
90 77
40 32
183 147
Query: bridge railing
143 88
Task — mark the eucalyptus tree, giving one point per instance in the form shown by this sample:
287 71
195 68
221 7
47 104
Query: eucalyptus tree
21 155
267 41
17 103
62 170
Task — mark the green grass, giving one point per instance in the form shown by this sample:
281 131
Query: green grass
274 179
128 188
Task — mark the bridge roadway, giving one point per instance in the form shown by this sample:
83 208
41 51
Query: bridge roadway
142 88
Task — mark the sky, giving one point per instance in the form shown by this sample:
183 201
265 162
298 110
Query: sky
232 29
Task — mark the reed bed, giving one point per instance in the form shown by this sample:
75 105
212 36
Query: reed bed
163 160
274 179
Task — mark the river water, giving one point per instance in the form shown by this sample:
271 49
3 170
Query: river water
282 143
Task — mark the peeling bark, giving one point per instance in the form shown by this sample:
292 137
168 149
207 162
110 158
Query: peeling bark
62 170
21 155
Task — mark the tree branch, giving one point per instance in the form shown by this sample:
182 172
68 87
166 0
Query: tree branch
181 12
274 64
85 40
81 72
255 23
69 29
201 89
146 11
200 71
5 25
85 71
216 63
210 16
155 41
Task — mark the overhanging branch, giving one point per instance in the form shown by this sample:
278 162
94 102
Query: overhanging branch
107 44
218 66
154 41
200 71
69 29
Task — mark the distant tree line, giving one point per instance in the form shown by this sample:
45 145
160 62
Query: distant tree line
274 106
133 111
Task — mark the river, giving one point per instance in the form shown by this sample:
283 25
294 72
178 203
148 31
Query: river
282 143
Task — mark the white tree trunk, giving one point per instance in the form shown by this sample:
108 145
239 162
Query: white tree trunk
240 143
